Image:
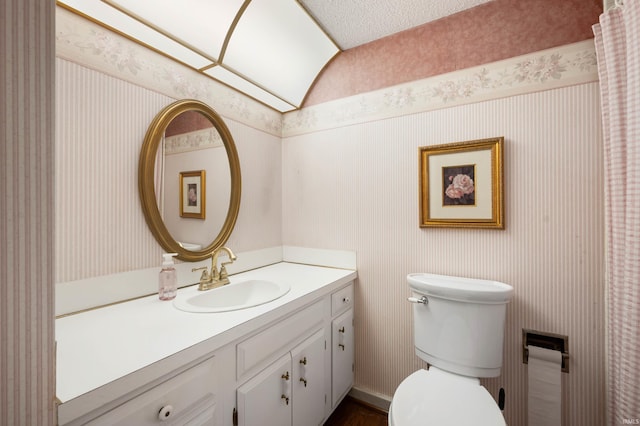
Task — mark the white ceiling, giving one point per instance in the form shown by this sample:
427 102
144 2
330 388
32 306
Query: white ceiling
352 23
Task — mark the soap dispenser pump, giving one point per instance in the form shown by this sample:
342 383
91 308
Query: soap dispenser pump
168 279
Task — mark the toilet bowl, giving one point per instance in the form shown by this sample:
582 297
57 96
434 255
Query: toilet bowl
458 331
437 397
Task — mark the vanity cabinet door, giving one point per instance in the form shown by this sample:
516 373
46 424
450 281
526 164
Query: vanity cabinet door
342 356
265 400
309 396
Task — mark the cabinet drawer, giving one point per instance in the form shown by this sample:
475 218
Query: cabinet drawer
342 300
278 338
187 398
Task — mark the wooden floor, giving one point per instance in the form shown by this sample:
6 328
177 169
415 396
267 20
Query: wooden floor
351 412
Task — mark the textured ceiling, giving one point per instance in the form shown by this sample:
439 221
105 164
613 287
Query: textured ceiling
354 22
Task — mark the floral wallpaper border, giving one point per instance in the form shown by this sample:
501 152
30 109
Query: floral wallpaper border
193 141
549 69
88 44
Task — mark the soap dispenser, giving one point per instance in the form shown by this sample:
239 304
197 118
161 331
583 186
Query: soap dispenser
168 278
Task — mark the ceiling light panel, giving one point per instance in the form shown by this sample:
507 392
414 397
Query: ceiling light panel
110 17
200 24
277 45
237 82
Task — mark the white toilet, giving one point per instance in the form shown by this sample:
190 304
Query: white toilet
459 329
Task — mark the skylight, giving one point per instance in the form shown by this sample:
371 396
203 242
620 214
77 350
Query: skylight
271 50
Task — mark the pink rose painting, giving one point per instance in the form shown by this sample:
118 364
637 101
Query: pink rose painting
458 186
192 194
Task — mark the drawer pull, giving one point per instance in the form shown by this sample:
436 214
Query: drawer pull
303 361
286 376
285 398
303 380
165 412
341 346
341 330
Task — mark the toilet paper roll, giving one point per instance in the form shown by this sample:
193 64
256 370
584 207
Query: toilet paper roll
545 398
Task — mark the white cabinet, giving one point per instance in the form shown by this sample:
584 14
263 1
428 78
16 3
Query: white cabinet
289 391
291 369
342 300
296 371
308 393
342 344
265 400
277 339
188 398
342 356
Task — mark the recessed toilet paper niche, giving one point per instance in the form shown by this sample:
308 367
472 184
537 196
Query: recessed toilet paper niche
555 342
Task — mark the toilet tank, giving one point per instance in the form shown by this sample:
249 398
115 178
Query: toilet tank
460 328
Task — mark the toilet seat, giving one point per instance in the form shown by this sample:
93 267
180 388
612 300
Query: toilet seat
436 397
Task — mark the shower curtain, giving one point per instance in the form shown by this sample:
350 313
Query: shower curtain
617 39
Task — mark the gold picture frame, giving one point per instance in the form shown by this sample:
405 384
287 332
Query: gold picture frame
461 184
193 194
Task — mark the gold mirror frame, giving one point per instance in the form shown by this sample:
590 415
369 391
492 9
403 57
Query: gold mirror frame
146 186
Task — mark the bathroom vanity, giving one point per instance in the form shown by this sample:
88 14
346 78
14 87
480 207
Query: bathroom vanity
285 362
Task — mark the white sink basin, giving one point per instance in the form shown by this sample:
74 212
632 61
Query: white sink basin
232 297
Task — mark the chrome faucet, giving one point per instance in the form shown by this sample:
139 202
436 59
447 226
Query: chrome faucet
215 278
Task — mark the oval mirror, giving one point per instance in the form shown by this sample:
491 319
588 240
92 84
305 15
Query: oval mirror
189 180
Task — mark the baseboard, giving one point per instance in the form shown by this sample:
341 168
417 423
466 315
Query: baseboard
373 399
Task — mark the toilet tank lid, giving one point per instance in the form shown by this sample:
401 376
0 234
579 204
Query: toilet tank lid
440 398
460 288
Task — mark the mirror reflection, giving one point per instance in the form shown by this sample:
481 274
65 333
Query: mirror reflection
192 144
189 180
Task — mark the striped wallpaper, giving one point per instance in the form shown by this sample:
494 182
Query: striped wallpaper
356 188
27 350
101 122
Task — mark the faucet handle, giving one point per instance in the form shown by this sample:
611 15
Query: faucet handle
223 269
205 272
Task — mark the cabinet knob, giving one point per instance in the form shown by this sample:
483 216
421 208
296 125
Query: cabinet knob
346 300
303 380
165 412
285 398
303 361
286 376
341 346
341 330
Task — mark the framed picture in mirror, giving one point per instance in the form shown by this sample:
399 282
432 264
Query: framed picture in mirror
461 185
192 194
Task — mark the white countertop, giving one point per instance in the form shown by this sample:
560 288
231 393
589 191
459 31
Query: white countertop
99 346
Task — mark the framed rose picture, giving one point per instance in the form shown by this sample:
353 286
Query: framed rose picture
192 194
461 184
